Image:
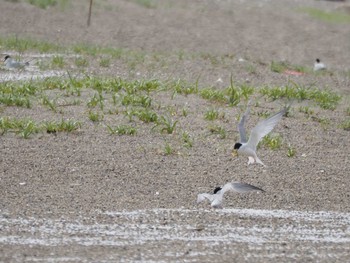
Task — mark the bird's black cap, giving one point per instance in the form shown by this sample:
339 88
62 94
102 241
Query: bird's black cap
6 57
217 189
237 145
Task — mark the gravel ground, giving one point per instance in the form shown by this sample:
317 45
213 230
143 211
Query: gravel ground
87 196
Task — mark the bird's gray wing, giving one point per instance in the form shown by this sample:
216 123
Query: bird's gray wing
202 197
244 188
241 128
263 128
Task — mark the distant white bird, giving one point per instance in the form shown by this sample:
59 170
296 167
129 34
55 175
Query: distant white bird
318 65
248 147
216 199
13 64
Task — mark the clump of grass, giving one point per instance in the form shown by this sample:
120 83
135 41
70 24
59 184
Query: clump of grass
347 111
345 125
184 88
273 142
57 62
136 100
291 151
62 126
166 124
146 3
211 115
168 149
187 140
331 17
23 127
306 109
213 94
97 99
81 62
95 116
324 121
282 66
49 103
105 62
147 116
42 3
122 130
215 129
326 99
184 112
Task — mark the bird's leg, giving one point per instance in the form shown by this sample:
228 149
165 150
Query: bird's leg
259 161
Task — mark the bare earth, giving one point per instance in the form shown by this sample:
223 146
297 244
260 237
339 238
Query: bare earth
89 196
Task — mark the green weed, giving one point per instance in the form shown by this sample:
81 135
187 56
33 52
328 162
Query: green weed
122 130
187 140
273 142
215 129
331 17
167 124
345 125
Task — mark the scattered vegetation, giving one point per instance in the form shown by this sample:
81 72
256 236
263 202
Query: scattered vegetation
272 141
345 125
122 130
331 17
215 129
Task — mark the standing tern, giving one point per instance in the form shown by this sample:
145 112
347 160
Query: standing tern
216 198
318 65
13 64
248 147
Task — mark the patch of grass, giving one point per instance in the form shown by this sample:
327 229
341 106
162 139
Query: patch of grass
23 127
122 130
324 121
326 99
146 3
42 3
273 142
291 151
184 88
306 109
282 66
147 116
62 126
187 140
97 99
51 104
166 124
95 116
215 129
81 62
57 62
345 125
331 17
211 115
23 44
168 149
136 100
347 111
105 62
213 94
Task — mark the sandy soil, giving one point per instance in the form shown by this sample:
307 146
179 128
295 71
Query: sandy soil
66 197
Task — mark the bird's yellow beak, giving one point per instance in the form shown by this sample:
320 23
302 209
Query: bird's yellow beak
234 153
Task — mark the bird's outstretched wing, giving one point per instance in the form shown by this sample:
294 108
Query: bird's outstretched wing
202 197
244 188
241 128
263 128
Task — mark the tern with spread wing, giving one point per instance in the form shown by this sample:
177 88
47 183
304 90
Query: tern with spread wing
216 199
248 147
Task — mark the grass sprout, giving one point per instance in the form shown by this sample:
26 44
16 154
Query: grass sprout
122 130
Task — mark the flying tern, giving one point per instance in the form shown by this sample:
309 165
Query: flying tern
216 199
248 147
